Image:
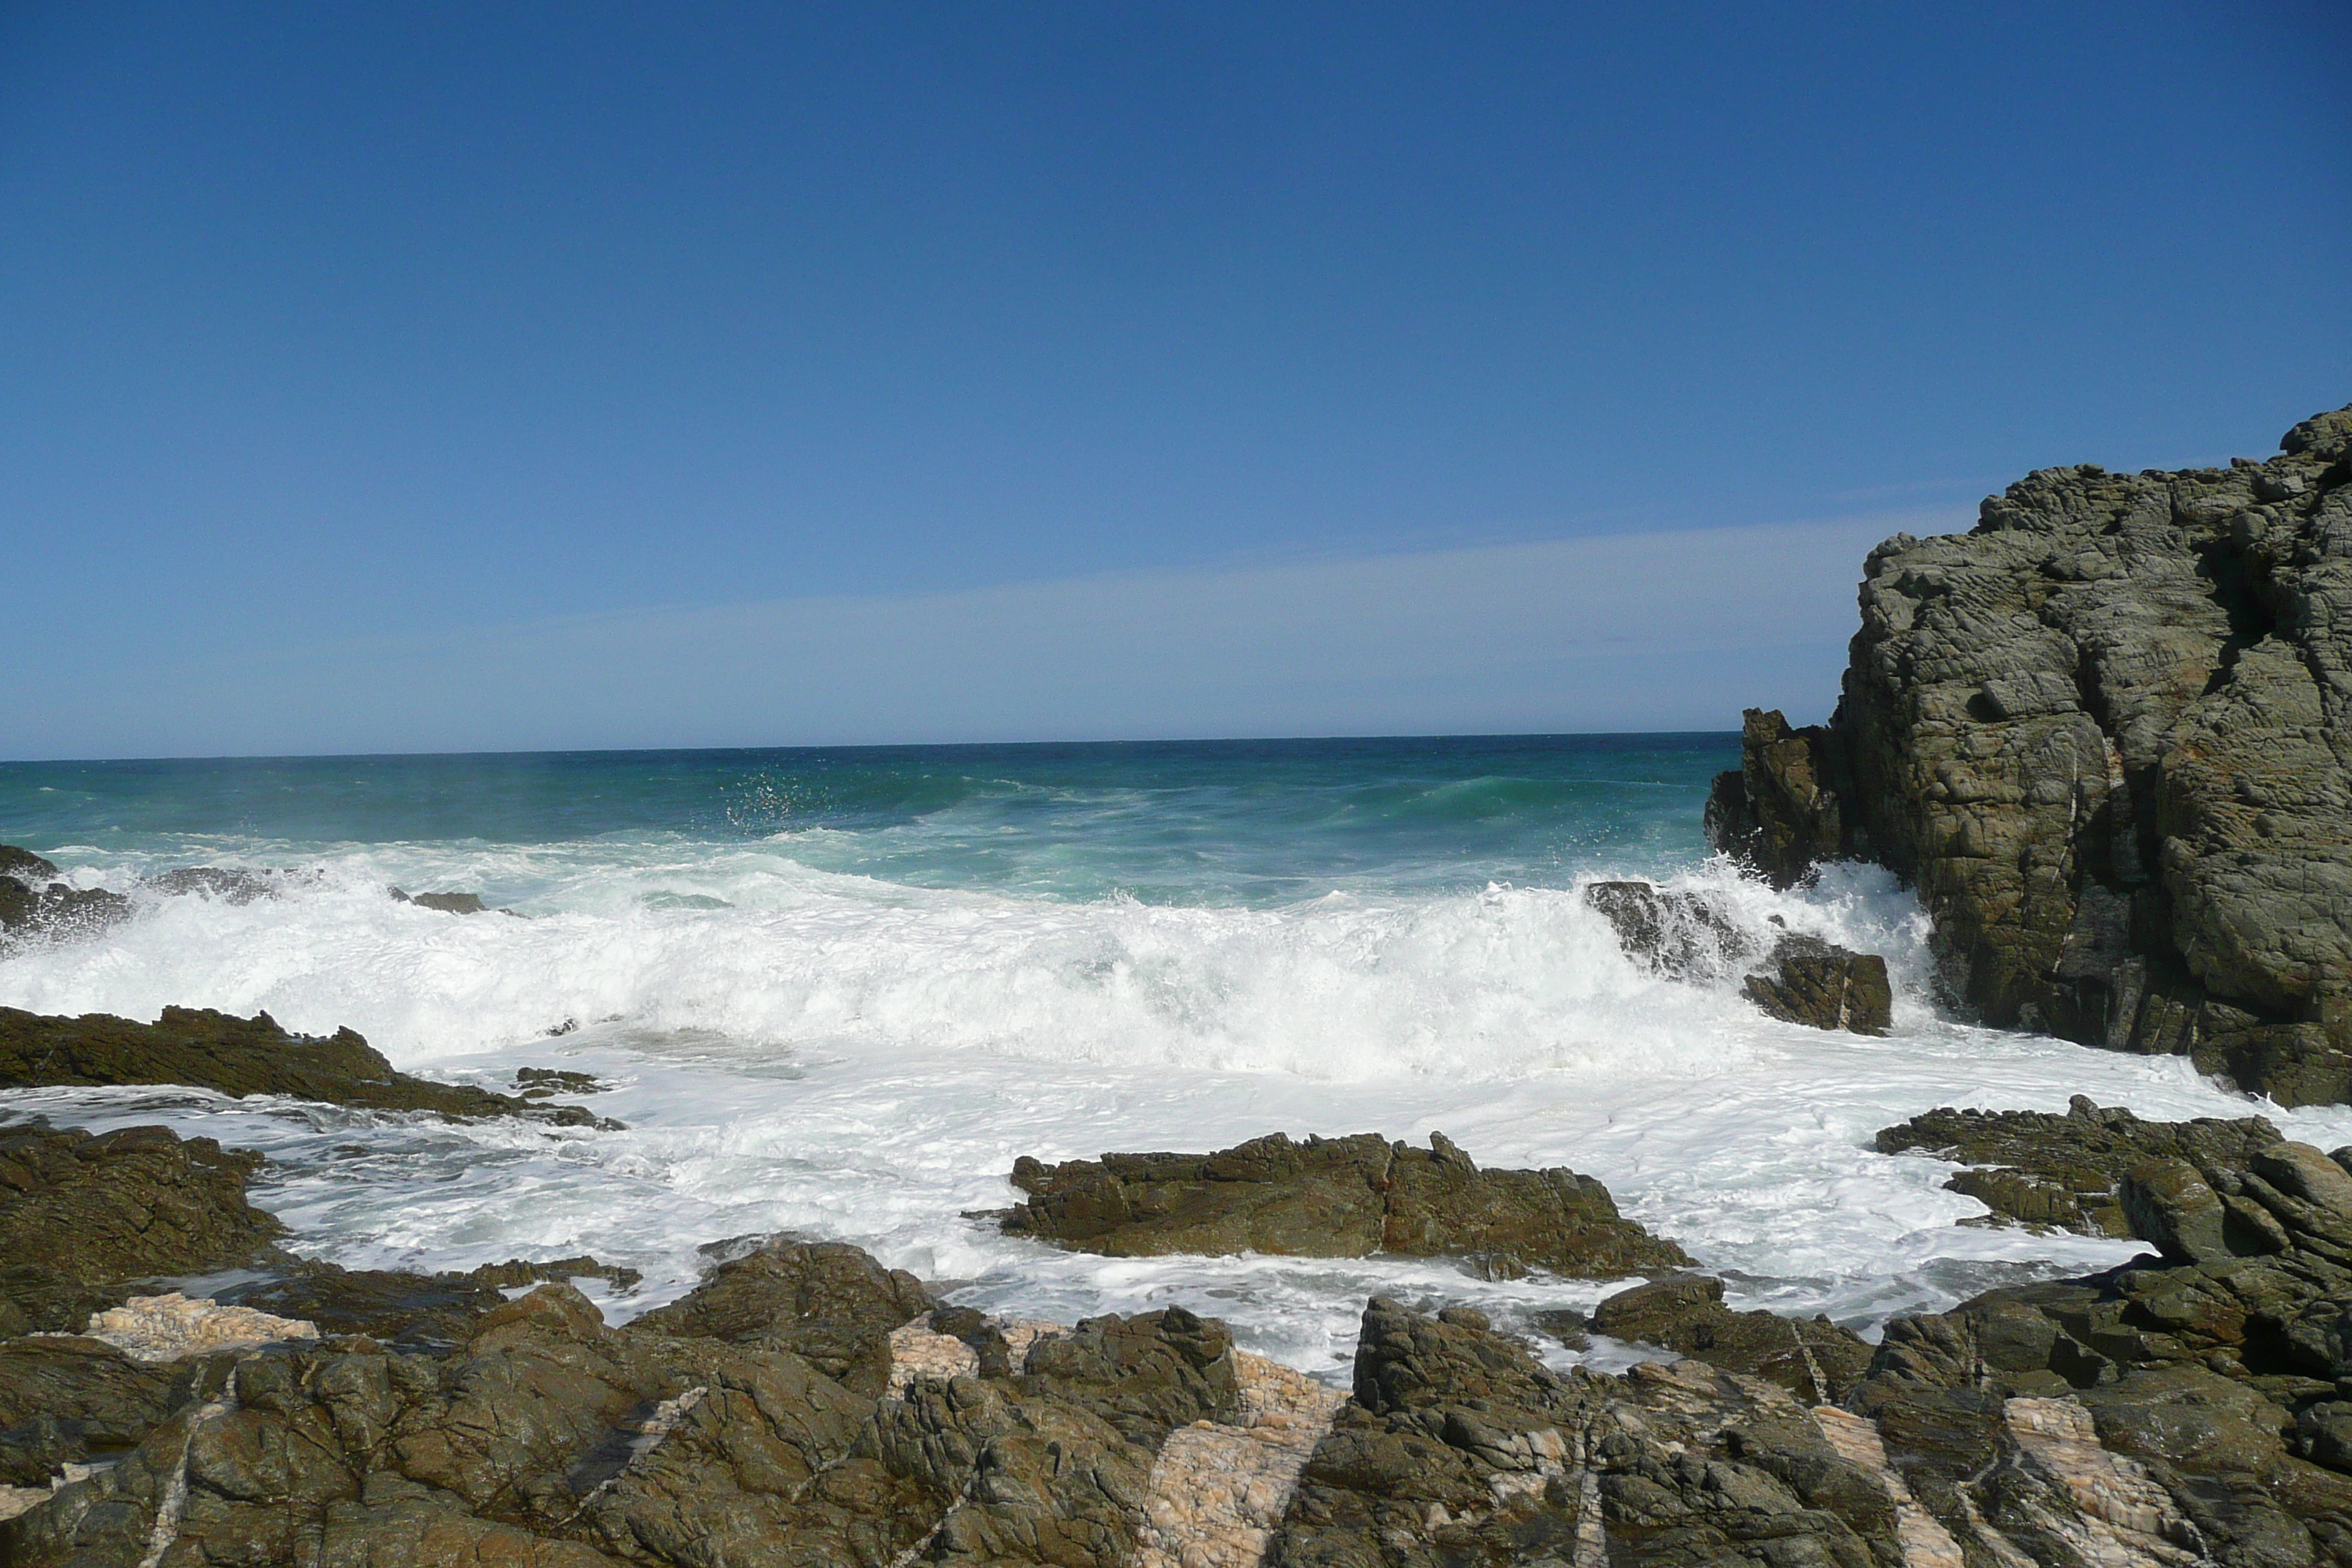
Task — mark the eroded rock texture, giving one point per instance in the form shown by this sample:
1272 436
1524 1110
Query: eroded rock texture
2105 734
1336 1197
2066 1171
83 1215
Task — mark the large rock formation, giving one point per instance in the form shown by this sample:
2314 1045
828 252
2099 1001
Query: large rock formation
1336 1197
238 1057
2105 734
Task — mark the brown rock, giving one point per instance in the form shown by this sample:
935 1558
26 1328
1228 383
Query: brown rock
1344 1197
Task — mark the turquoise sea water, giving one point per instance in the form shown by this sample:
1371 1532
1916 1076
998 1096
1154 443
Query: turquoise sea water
837 993
1235 822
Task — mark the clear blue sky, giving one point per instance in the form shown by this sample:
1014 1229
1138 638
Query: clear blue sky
346 350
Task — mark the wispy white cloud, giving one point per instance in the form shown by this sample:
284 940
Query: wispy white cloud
1638 631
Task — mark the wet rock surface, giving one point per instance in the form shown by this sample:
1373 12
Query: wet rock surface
32 901
1809 981
1336 1197
206 1049
2105 735
1799 980
2066 1170
826 1302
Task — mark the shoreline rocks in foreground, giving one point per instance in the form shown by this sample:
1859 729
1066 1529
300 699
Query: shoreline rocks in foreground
2105 734
803 1405
204 1049
1336 1197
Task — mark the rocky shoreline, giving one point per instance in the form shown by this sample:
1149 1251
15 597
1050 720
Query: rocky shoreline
803 1405
2100 736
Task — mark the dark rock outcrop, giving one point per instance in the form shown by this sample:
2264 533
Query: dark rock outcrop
446 903
2176 1411
1336 1197
2066 1171
2105 735
1812 1358
1809 981
827 1302
82 1217
238 1057
32 901
547 1437
1682 936
1801 980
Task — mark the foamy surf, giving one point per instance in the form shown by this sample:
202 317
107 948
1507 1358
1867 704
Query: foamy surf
800 1042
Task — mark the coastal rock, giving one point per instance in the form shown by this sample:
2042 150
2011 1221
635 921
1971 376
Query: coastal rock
1809 981
32 901
1680 935
1804 980
2103 735
446 903
827 1302
2067 1171
1335 1197
1812 1358
551 1439
400 1307
1781 812
238 1057
80 1216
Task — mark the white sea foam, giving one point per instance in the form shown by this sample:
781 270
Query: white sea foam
802 1050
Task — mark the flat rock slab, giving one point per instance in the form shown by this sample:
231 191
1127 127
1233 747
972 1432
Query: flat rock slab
1336 1197
240 1056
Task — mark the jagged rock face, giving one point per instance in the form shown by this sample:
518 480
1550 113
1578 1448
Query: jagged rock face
1809 981
1802 980
32 901
2105 735
827 1302
1336 1197
552 1440
2066 1171
83 1215
1815 1360
238 1057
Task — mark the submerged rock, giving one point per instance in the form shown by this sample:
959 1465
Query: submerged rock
1680 935
1335 1197
2067 1171
240 1056
2103 734
446 903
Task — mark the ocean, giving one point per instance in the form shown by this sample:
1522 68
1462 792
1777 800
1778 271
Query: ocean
837 993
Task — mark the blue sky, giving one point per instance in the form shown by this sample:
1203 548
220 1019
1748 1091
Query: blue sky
422 377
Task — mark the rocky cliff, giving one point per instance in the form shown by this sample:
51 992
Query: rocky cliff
2105 736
